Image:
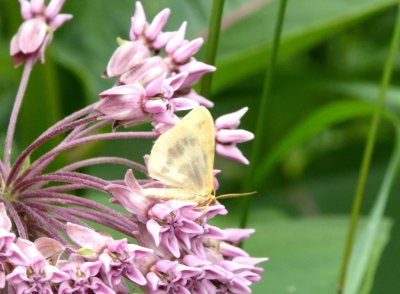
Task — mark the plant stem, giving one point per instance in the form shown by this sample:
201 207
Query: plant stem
102 160
43 161
17 220
42 139
15 111
261 120
368 152
212 43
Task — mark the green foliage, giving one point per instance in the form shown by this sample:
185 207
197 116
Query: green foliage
325 85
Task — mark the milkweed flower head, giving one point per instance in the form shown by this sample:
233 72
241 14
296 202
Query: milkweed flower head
47 244
36 32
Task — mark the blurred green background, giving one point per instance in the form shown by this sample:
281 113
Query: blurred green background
327 77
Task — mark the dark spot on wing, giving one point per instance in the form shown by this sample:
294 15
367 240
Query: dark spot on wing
193 173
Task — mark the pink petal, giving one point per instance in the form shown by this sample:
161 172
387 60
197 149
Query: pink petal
162 40
184 104
25 9
37 6
184 53
200 99
230 120
177 40
59 20
138 21
87 238
31 35
123 90
5 222
131 181
54 8
48 247
152 280
237 235
166 118
125 57
136 276
231 152
155 106
176 81
233 136
91 269
155 230
155 87
157 24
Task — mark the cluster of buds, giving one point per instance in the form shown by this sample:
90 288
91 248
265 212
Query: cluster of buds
46 243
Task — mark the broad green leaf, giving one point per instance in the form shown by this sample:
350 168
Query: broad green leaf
304 255
363 91
366 253
321 119
244 50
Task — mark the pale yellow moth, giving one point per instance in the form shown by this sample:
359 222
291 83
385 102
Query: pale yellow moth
183 158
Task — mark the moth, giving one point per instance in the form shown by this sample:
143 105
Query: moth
183 158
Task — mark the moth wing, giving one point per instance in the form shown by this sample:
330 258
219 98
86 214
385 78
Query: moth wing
183 157
171 193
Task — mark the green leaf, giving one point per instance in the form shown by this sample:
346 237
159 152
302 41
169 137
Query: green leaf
320 120
370 244
244 50
304 256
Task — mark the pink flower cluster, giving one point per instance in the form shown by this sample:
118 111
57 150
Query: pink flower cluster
46 242
155 72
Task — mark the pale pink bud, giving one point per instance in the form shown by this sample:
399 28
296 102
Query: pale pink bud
162 40
177 40
54 8
35 33
146 71
31 35
123 104
37 6
184 53
87 238
196 70
230 120
238 136
231 152
154 29
138 21
59 20
25 9
125 57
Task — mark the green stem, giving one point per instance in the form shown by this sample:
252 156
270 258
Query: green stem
212 43
369 148
259 142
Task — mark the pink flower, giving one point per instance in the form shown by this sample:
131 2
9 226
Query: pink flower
171 277
123 104
141 29
92 243
160 101
227 136
121 259
133 104
36 32
131 197
173 223
83 277
35 274
125 57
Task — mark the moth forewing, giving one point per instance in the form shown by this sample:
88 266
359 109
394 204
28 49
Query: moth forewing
183 159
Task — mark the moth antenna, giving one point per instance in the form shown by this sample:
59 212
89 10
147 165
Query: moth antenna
225 196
